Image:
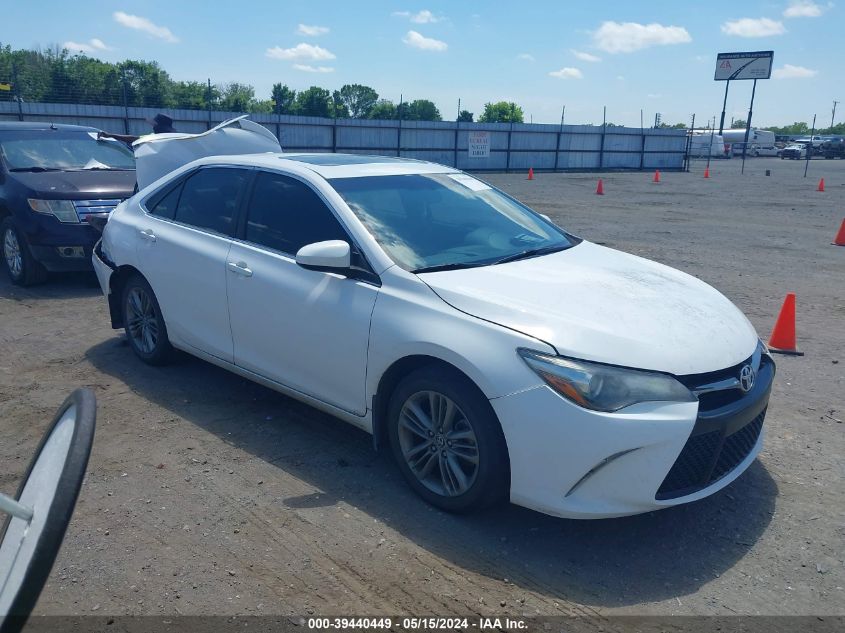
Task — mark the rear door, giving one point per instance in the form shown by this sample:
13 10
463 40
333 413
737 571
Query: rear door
305 329
183 242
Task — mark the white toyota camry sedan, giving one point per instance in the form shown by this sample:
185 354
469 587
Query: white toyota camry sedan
498 356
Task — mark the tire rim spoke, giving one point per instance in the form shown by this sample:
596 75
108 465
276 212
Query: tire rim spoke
141 321
438 443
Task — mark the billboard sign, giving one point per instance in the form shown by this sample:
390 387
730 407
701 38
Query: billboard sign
478 144
753 65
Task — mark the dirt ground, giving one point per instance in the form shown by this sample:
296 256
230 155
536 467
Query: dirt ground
208 494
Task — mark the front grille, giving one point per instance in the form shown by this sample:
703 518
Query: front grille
84 208
708 457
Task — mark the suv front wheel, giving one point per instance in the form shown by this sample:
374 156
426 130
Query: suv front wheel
22 267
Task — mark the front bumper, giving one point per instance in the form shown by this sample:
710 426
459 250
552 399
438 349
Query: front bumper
103 268
570 462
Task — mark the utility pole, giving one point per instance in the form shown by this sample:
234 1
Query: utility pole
833 115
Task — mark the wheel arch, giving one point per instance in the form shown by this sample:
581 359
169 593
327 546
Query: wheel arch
391 378
117 282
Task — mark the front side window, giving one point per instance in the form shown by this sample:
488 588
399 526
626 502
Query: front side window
210 199
428 222
285 214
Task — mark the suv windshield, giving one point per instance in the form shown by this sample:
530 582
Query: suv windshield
428 222
60 150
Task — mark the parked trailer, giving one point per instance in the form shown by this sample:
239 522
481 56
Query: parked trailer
706 145
760 142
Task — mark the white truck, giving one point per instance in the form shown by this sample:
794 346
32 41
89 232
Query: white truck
760 142
706 144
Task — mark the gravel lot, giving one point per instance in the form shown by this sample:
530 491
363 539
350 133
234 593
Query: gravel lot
208 494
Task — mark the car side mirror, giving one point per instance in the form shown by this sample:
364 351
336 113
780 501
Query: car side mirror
545 217
333 256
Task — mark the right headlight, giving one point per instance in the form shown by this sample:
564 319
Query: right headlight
604 387
63 210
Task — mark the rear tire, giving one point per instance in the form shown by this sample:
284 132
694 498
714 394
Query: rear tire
447 441
22 267
144 325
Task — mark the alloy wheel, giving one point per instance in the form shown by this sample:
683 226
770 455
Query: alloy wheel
12 252
438 443
141 320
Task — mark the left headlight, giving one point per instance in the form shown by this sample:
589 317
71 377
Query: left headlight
604 387
63 210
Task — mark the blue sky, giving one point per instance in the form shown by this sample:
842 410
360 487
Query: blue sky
658 56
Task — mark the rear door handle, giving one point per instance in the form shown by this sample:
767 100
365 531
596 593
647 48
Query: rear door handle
148 234
239 268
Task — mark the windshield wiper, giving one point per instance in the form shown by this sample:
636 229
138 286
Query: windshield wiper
452 266
533 252
35 168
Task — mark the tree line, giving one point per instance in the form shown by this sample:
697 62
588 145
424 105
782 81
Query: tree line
54 75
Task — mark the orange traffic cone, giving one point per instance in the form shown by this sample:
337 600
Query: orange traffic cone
821 185
600 188
656 175
839 240
707 172
530 173
782 340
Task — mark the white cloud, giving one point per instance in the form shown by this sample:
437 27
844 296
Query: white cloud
311 31
627 37
416 40
143 24
567 73
788 71
423 17
300 52
313 69
753 27
804 9
585 57
94 44
526 57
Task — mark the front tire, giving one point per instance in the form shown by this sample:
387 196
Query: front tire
144 325
447 441
22 267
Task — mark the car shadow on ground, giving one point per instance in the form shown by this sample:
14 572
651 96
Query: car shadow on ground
57 286
613 562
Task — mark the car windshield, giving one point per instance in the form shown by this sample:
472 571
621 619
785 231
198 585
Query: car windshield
60 150
428 222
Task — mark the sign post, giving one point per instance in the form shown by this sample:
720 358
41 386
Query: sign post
737 66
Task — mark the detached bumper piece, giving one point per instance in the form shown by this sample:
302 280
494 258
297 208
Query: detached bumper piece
721 439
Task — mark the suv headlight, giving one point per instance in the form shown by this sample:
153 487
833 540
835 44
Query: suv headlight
604 387
63 210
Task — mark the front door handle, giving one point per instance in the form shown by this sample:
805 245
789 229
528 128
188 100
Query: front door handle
148 234
239 268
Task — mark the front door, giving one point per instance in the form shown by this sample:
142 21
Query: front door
305 329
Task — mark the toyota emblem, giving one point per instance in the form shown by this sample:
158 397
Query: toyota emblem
746 378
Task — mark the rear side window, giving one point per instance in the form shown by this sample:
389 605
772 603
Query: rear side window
210 199
164 206
285 214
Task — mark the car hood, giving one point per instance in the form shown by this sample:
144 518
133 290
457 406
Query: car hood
596 303
78 185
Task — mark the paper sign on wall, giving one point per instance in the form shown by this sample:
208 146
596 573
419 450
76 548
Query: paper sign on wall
478 144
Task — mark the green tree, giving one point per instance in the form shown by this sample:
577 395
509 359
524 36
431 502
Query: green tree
358 100
738 123
420 110
147 84
501 112
315 101
237 97
465 116
192 95
284 99
383 109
